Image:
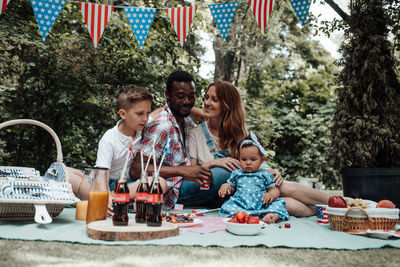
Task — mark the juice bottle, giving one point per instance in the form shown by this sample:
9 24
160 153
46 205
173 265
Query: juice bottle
97 206
98 194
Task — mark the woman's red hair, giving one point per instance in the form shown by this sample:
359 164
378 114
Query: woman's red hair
232 129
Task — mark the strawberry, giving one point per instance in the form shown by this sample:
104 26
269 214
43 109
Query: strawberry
233 220
253 220
287 225
242 217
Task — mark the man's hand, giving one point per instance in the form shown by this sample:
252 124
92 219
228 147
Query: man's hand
225 189
198 114
110 210
267 198
196 174
278 180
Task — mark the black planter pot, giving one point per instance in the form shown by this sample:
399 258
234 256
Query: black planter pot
372 183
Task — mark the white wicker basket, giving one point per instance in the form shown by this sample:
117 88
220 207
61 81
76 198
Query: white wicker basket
23 189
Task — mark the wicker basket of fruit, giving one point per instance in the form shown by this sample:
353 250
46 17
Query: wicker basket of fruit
358 216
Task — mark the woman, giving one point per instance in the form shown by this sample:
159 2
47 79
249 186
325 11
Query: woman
214 145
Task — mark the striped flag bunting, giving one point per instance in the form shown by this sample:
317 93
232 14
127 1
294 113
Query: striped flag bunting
96 17
140 19
261 11
301 8
223 15
46 13
181 18
3 4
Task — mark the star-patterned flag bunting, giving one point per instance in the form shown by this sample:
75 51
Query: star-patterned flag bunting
261 11
46 13
223 15
301 8
3 4
181 18
140 19
96 17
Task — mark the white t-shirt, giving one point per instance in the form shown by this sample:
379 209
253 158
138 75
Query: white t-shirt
112 150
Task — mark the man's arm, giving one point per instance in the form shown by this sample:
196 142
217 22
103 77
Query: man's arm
190 173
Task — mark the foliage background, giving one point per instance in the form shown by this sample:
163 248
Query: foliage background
287 81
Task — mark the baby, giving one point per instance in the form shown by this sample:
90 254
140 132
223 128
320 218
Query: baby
256 193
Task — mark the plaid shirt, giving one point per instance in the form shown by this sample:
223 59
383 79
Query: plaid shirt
161 128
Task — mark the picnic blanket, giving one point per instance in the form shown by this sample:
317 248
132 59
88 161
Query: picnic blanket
303 233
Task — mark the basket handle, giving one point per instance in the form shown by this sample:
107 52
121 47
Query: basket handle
345 226
40 124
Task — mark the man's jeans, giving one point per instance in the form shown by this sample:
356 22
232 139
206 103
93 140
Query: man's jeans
191 195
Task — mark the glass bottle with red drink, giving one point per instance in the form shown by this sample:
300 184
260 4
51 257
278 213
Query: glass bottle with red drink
154 204
121 203
141 199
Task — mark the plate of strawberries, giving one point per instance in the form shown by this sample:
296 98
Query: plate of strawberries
243 224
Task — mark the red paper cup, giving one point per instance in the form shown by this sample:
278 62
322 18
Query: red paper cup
205 185
322 214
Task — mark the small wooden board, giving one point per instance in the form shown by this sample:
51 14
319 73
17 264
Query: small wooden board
105 230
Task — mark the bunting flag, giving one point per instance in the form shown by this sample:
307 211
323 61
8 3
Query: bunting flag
140 19
46 13
261 11
301 8
3 4
96 17
181 18
223 15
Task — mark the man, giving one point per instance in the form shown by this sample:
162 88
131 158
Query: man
173 123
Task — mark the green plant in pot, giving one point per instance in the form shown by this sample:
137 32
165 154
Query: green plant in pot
366 123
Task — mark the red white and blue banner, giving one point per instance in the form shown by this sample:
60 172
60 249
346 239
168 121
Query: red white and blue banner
181 18
140 19
3 4
96 17
301 8
262 9
46 13
223 16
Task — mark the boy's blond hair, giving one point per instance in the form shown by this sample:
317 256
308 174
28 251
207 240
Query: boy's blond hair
130 94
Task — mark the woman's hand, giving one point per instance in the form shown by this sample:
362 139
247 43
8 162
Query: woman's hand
225 189
278 180
267 198
228 163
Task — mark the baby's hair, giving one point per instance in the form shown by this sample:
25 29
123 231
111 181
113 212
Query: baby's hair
130 94
251 144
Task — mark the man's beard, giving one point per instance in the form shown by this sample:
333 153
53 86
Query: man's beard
177 112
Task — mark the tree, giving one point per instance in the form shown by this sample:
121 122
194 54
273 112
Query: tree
366 128
69 85
287 83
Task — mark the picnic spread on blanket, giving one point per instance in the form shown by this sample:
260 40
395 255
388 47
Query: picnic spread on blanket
25 196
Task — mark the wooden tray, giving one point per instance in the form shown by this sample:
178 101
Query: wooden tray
105 230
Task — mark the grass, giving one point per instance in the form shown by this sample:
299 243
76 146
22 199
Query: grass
37 253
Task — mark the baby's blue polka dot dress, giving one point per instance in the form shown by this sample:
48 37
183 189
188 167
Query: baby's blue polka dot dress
250 187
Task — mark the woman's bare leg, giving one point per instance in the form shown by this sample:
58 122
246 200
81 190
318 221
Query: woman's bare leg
302 193
80 184
298 209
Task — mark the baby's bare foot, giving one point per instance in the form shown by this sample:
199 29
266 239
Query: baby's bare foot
270 218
